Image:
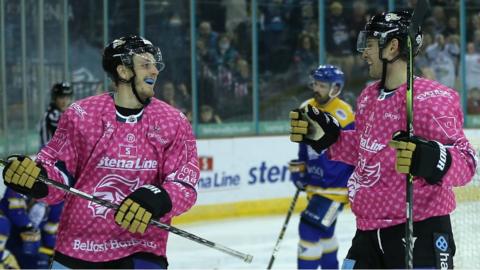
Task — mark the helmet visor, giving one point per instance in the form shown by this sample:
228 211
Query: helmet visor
148 57
146 61
362 41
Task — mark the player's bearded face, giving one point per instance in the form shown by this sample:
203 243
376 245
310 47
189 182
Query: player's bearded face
321 91
146 74
370 55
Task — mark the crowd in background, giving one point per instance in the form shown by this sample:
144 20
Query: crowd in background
288 46
288 40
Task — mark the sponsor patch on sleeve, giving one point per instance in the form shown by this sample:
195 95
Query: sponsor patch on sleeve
448 125
340 113
188 173
58 141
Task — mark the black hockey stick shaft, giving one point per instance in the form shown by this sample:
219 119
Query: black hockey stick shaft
284 228
245 257
417 19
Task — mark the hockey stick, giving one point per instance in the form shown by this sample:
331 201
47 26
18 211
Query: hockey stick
417 19
284 228
245 257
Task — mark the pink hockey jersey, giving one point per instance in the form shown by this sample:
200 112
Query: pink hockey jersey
376 191
96 152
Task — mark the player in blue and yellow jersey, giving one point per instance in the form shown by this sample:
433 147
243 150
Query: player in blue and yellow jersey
324 180
32 228
7 260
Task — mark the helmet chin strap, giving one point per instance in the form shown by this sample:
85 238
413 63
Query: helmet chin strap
135 92
134 89
384 67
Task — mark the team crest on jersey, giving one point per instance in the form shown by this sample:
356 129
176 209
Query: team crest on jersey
363 176
113 188
118 42
447 124
392 17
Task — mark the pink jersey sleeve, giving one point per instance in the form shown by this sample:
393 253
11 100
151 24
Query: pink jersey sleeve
346 147
441 119
59 157
181 171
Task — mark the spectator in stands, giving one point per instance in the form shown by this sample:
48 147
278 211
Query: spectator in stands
184 94
308 14
274 17
358 17
473 101
213 11
242 79
452 27
236 12
206 77
169 95
208 116
439 17
339 40
224 54
442 60
305 56
472 62
429 26
238 104
476 39
207 35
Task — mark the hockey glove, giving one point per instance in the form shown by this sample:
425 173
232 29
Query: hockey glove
313 127
419 157
297 173
30 240
21 175
137 209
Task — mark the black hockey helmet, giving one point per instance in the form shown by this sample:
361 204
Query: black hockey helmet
388 25
61 89
121 52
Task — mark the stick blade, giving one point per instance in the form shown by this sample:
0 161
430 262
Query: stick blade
419 13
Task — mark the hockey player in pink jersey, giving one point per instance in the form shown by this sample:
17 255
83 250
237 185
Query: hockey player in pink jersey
126 147
439 156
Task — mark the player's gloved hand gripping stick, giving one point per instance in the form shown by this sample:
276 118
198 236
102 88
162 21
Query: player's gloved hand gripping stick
25 176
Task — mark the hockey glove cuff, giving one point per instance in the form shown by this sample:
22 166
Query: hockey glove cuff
30 240
419 157
137 209
21 175
297 170
313 127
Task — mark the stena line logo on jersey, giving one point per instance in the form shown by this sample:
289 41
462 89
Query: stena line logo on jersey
128 164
